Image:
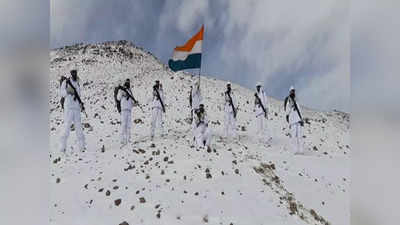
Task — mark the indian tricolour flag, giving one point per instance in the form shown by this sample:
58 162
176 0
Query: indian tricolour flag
188 56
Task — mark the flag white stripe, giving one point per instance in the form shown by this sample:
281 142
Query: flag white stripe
182 55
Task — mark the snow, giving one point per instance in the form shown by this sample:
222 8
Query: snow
177 190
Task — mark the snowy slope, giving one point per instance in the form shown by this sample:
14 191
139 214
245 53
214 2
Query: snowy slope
240 182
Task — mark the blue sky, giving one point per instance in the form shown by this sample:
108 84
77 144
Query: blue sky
280 43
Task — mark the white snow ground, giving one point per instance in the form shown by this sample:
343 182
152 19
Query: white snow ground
251 182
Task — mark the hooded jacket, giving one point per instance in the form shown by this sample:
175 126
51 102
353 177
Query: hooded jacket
263 97
291 111
196 97
228 107
68 93
126 102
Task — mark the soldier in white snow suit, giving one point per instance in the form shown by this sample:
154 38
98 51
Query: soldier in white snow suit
190 102
196 99
230 112
295 121
202 131
163 114
158 108
127 100
261 110
70 90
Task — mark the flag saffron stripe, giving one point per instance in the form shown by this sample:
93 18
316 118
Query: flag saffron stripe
189 44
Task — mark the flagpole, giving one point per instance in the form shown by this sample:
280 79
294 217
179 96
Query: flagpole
202 41
199 74
201 55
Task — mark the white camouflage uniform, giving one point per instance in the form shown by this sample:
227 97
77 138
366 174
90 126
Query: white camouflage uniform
259 113
294 126
197 99
230 120
157 112
202 131
126 115
72 114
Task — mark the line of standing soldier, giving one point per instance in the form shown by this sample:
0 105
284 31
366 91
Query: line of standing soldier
71 102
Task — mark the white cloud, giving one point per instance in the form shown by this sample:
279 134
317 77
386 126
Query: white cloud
275 36
69 20
189 12
375 53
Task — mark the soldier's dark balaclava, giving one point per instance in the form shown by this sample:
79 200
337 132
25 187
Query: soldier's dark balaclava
258 88
292 94
127 83
228 87
157 85
201 108
74 75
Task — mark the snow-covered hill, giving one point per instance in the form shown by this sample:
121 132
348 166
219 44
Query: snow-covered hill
240 182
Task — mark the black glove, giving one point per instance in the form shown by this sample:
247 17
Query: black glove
302 123
287 118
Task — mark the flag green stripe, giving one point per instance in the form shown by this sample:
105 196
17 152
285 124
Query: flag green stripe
191 62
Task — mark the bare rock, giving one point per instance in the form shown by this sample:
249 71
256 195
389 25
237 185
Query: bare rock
205 219
137 121
117 202
292 208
